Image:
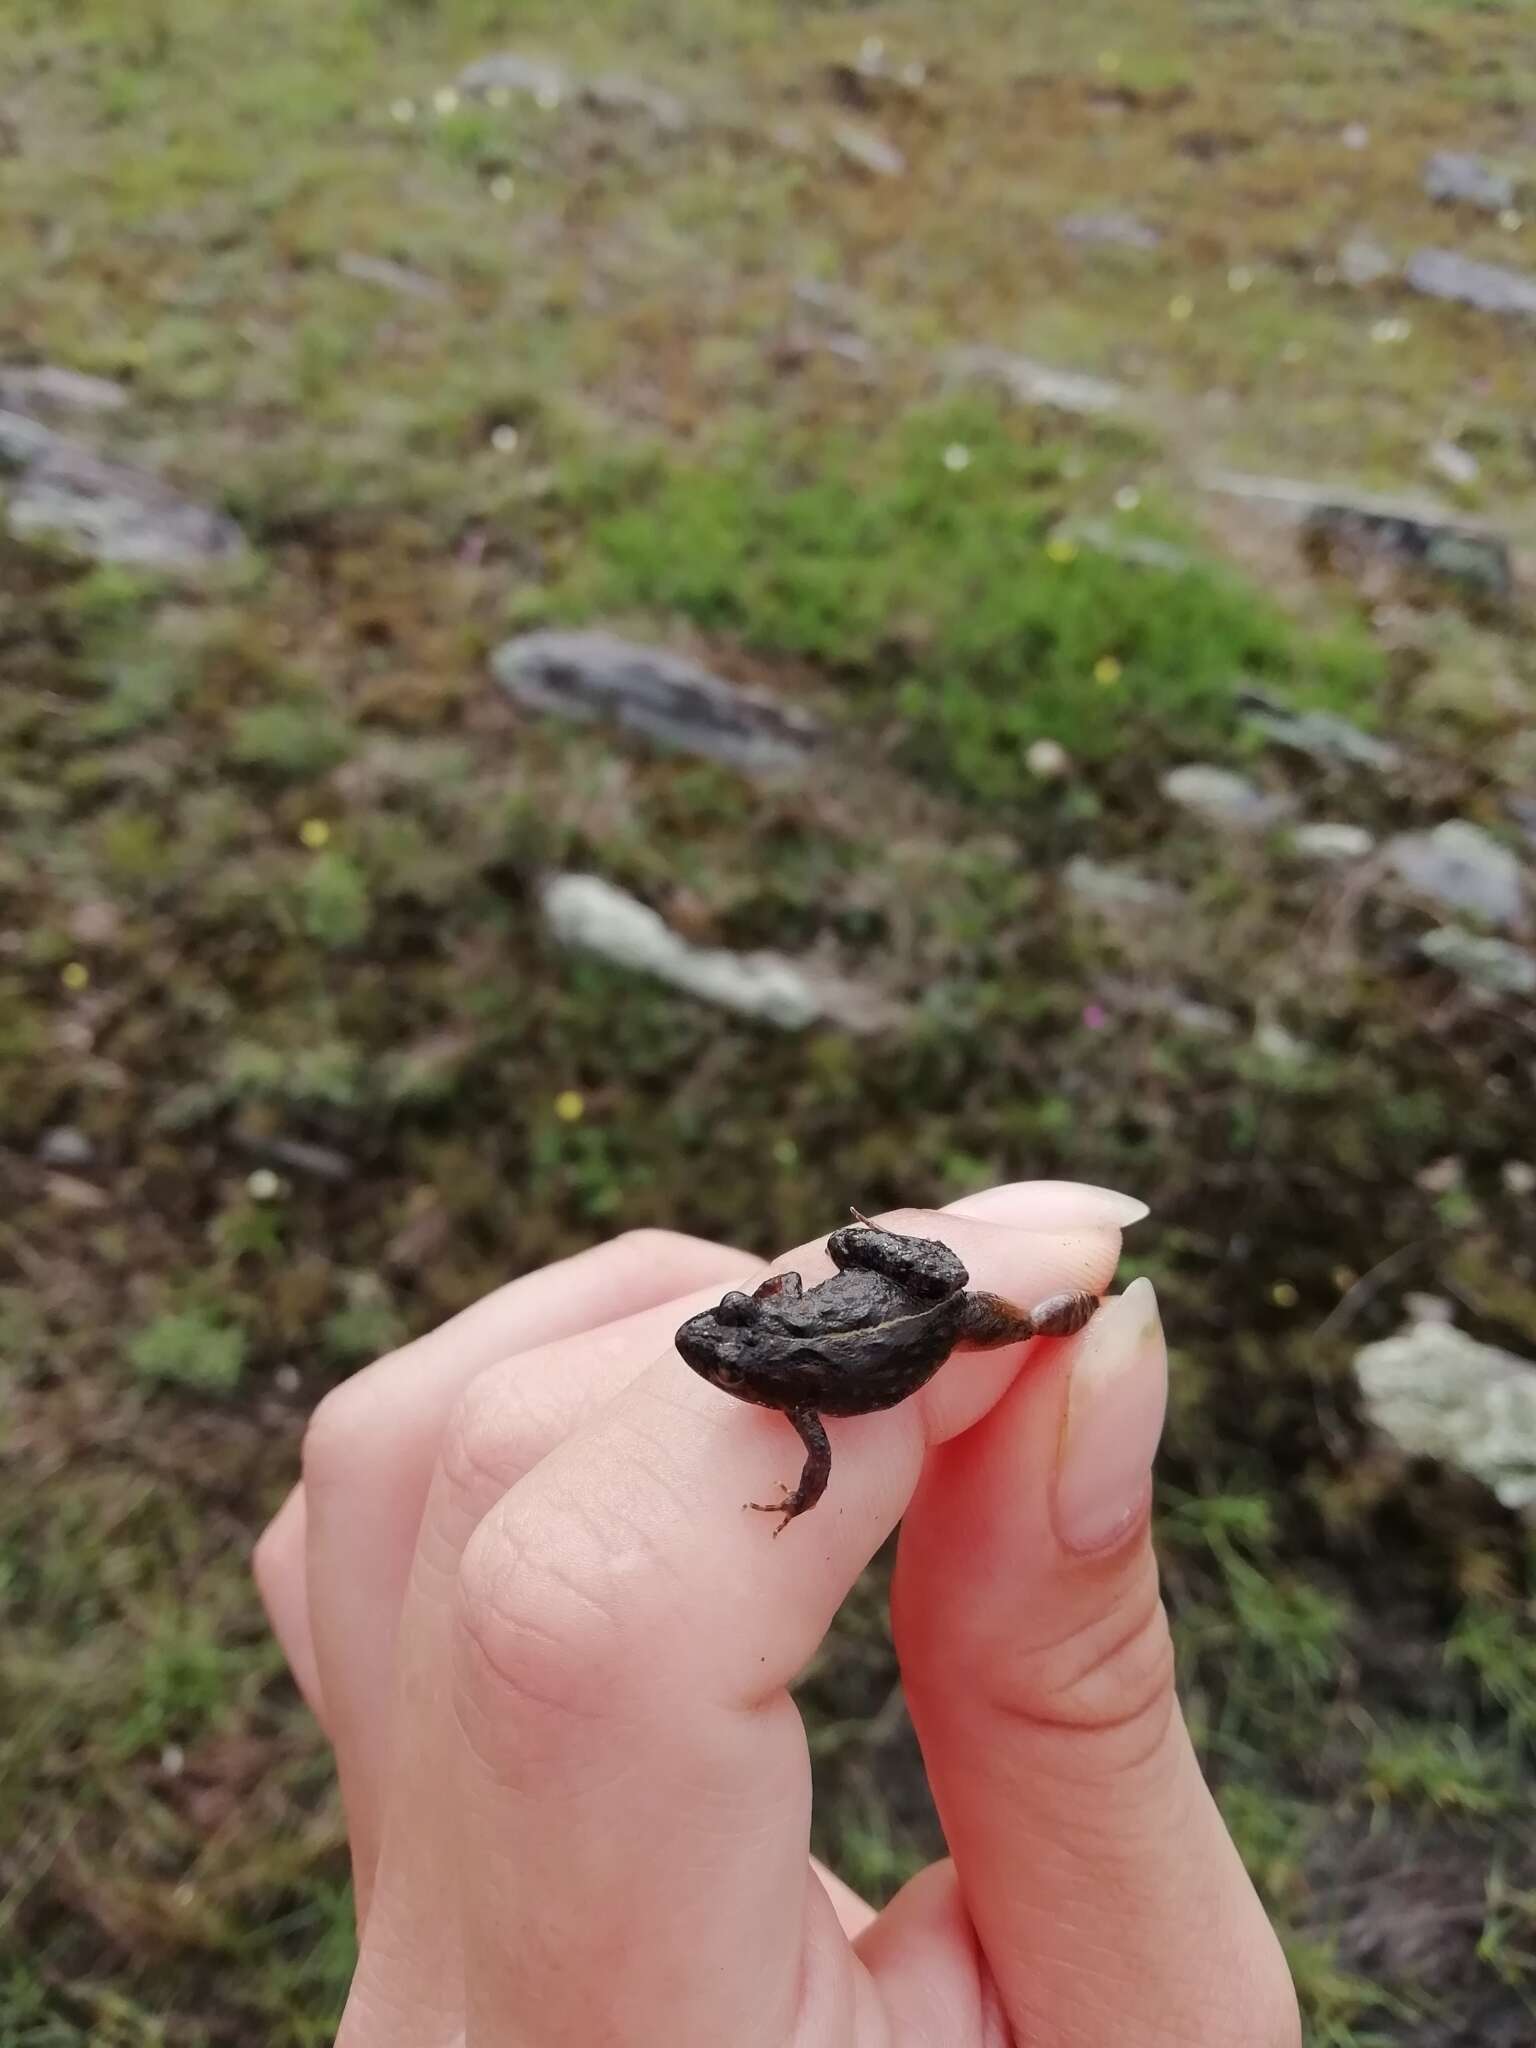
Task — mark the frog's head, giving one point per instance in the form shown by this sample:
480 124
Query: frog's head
723 1343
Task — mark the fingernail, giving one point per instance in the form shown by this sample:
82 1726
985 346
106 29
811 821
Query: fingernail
1115 1405
1054 1205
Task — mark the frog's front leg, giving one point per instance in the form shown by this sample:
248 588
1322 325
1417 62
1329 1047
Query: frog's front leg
990 1321
814 1474
927 1270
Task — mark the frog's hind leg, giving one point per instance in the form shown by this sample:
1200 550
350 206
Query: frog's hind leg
780 1287
990 1321
813 1476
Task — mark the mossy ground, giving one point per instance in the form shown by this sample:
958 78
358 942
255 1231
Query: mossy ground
271 839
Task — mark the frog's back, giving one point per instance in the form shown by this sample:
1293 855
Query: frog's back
884 1360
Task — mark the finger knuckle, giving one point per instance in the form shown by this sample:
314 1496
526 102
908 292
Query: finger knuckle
531 1625
490 1440
678 1261
336 1439
1113 1678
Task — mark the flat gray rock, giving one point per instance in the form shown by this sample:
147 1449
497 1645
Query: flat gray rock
389 276
25 385
1438 1393
591 915
516 73
1333 842
1460 867
869 151
107 511
617 92
1037 384
595 676
1223 798
1495 966
1115 887
1106 888
1319 735
519 74
1364 262
1412 532
1110 229
1490 287
1460 177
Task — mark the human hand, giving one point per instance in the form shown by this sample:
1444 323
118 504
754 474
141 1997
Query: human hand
552 1656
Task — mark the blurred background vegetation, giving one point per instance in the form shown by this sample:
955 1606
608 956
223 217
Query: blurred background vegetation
892 362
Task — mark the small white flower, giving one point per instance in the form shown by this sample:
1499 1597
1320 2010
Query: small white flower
1239 278
1387 333
1127 498
504 439
446 100
402 111
1511 220
503 189
547 97
1048 759
263 1185
957 456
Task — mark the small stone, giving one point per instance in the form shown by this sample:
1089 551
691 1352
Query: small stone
1355 135
173 1760
1109 229
590 914
1441 1175
1460 867
390 277
1490 287
1281 1046
1319 735
108 511
1439 1393
593 675
287 1379
1363 262
509 71
505 439
1454 463
1429 1308
1222 798
1101 887
1049 760
1519 1178
1204 1020
65 1146
616 92
1494 966
1458 176
1332 842
869 151
1036 384
24 385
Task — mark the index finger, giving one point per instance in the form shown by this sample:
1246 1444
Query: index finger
638 1789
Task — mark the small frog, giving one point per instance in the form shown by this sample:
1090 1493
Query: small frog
874 1333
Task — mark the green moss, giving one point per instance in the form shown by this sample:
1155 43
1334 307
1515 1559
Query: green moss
190 1348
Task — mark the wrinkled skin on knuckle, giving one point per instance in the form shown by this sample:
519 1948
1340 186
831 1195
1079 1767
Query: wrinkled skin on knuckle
538 1650
1113 1679
491 1440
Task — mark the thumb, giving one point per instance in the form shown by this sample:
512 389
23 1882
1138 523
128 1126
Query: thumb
1104 1890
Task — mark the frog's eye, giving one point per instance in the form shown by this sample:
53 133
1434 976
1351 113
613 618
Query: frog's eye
737 1310
727 1376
